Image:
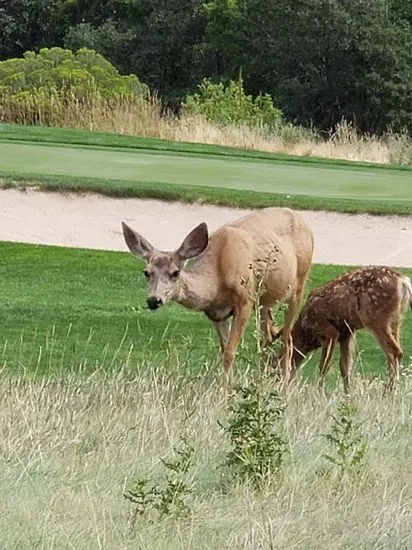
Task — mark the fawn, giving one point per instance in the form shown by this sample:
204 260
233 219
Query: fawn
373 298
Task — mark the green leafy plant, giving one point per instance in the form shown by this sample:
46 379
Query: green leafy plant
256 434
228 103
348 445
58 70
169 497
36 88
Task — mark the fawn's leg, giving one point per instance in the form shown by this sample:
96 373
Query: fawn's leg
393 353
347 355
326 360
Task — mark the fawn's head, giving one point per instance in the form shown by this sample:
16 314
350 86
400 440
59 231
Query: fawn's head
163 269
304 342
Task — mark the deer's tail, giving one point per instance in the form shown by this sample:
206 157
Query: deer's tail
406 286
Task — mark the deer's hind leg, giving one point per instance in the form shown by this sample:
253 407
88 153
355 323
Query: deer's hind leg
272 328
286 335
268 332
286 331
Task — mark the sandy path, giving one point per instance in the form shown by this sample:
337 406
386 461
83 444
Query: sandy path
93 221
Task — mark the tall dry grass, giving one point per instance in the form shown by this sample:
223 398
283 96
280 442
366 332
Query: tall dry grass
69 446
142 118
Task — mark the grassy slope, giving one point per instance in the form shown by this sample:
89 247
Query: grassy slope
118 165
66 136
75 308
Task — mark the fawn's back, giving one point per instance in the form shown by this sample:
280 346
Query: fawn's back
362 298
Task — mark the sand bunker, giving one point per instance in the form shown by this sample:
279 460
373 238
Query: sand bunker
93 221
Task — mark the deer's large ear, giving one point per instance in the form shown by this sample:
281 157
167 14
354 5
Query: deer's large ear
138 245
194 244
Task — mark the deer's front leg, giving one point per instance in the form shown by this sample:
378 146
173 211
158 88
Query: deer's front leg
223 331
241 316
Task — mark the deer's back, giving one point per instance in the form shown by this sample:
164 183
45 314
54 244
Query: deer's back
282 248
277 228
275 242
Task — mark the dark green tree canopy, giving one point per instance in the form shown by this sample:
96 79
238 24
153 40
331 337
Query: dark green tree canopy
320 60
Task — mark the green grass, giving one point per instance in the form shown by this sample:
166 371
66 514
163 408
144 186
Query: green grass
124 166
71 310
122 384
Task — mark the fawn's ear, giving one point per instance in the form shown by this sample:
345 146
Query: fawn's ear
137 244
194 244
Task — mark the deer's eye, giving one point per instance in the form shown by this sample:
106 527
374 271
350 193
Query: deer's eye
175 274
146 273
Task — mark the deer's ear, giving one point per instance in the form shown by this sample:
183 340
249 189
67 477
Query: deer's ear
194 244
137 244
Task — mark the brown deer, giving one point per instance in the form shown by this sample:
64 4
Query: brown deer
273 246
373 298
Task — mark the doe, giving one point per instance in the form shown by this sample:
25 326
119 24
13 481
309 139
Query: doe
273 246
373 298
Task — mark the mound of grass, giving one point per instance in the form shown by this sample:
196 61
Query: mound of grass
69 136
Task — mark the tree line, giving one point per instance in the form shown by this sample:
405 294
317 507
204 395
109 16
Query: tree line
320 60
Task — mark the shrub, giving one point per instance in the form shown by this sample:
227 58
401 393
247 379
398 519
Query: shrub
348 445
255 430
54 70
167 498
228 103
33 89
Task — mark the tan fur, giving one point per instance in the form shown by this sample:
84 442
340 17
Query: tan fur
274 243
373 298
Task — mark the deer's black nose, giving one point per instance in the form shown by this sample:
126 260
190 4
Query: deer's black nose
153 302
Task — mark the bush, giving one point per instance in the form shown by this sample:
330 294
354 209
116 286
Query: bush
166 498
36 87
348 446
228 103
54 70
256 433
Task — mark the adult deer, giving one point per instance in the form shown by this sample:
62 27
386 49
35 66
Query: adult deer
273 246
373 298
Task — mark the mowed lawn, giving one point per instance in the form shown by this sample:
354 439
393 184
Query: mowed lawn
264 176
79 310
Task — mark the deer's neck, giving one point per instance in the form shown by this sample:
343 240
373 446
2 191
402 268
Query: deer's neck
196 290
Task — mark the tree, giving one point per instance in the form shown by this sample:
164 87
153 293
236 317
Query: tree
32 24
154 38
322 60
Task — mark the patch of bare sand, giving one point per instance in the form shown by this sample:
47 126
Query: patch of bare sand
93 221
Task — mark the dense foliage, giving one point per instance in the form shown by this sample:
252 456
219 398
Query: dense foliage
228 103
319 60
56 70
57 87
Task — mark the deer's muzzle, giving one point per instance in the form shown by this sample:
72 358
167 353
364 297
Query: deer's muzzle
153 302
